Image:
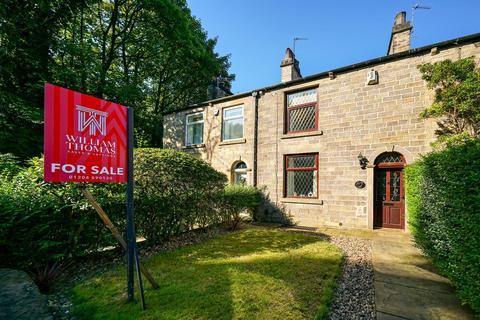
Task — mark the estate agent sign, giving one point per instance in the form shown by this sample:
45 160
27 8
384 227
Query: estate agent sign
91 140
85 138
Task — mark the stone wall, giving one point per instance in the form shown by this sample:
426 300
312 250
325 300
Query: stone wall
353 118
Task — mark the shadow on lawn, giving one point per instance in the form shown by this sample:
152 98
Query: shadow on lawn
249 274
244 243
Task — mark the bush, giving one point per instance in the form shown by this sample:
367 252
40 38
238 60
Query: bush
443 197
238 199
46 222
175 192
42 223
9 165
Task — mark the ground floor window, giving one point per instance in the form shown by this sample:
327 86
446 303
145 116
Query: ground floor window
240 173
301 175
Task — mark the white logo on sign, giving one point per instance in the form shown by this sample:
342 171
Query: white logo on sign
92 119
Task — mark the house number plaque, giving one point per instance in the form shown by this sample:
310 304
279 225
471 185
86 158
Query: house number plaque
360 184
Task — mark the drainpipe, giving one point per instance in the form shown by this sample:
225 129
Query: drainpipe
256 95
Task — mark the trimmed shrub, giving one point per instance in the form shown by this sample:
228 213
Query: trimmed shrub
174 192
238 199
443 197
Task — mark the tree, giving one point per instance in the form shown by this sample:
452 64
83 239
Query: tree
457 98
152 55
27 30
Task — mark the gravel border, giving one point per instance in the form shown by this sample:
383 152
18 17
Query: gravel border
355 293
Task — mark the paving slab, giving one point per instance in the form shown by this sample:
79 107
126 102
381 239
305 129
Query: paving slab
406 284
20 298
386 316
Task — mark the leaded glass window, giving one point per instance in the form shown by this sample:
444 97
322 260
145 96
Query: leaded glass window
302 111
301 175
395 186
194 129
232 123
391 157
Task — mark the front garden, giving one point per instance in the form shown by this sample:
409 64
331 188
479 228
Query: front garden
50 231
256 273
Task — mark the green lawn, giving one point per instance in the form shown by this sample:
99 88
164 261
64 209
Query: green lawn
256 273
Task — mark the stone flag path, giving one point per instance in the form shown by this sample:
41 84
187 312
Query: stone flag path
20 298
406 287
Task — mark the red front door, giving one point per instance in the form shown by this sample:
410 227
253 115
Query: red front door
389 198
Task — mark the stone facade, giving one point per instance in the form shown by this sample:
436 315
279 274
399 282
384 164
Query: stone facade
353 118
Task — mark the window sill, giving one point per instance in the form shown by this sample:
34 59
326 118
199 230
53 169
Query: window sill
302 201
234 141
194 146
301 134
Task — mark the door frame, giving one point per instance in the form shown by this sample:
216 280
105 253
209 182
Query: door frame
371 156
385 166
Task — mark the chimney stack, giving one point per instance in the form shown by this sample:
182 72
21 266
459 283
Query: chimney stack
400 38
290 67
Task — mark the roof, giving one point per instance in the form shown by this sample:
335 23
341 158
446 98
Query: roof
388 58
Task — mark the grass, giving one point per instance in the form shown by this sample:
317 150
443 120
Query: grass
256 273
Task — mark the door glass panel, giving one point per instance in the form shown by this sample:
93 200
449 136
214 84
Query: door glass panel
395 186
389 158
381 182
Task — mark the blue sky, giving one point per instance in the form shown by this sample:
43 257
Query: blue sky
256 33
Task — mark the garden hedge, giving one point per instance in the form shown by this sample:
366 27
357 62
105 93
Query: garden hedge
44 222
443 198
175 192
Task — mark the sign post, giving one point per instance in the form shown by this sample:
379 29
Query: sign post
130 227
87 139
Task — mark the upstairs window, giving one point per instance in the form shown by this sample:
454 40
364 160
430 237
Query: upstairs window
302 111
301 176
232 123
194 129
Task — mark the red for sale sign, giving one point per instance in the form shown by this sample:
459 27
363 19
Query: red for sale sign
85 138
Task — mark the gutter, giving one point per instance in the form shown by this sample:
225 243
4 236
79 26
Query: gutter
396 56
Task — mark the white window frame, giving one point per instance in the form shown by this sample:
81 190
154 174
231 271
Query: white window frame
187 123
224 118
239 172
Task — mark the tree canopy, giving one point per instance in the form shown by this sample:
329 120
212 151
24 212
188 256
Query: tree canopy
457 98
152 55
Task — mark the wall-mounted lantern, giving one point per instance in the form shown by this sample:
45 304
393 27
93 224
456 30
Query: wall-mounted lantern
363 161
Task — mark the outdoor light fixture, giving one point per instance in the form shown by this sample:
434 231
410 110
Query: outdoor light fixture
362 160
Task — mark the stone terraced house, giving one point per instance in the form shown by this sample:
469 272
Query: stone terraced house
328 148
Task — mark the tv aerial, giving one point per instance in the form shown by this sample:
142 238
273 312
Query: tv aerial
295 41
415 8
